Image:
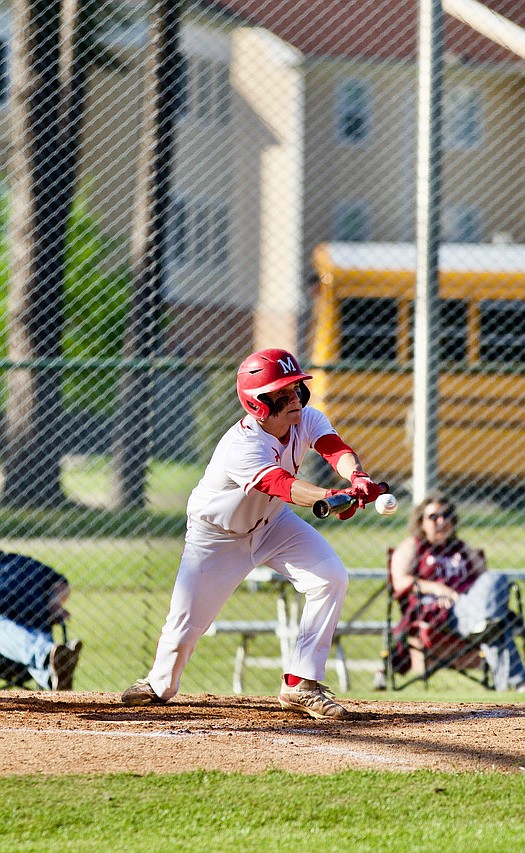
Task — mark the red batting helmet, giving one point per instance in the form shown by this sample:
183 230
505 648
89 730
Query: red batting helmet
265 371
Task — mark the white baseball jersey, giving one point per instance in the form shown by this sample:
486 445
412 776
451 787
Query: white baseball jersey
226 498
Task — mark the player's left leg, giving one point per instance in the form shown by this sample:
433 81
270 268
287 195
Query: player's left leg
296 550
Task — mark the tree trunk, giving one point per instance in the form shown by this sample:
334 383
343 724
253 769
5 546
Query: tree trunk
47 108
34 411
133 436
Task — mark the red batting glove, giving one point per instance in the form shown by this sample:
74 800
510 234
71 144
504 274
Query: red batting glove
348 513
363 488
342 516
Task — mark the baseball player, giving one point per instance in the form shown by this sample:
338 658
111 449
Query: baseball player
239 517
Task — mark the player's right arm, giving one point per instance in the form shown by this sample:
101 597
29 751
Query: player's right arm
281 484
345 461
304 493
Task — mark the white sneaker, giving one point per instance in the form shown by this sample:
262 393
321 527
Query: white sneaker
487 630
312 698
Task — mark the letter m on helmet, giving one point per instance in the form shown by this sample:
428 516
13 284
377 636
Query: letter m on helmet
288 366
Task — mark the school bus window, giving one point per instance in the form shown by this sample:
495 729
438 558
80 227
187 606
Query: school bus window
368 329
502 335
453 330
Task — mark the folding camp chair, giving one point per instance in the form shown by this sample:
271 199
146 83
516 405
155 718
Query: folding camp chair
430 650
13 674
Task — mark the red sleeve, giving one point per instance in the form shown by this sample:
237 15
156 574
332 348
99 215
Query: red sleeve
277 483
331 447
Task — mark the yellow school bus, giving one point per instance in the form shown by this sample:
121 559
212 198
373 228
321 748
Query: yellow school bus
362 350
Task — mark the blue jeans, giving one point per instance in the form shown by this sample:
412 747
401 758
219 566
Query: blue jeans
488 598
29 647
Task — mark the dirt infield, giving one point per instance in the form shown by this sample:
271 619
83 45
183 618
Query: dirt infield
93 733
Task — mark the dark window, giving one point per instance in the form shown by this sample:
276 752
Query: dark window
202 234
178 231
4 72
351 222
353 125
223 95
203 97
369 329
198 231
502 330
353 110
453 330
220 235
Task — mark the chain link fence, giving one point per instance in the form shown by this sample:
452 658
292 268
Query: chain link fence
186 182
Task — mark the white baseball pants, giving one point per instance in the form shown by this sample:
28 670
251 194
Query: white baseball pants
213 565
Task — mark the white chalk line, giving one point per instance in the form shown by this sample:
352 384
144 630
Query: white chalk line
280 741
343 751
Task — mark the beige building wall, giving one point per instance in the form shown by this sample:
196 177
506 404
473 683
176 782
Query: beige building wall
267 78
204 170
379 171
491 176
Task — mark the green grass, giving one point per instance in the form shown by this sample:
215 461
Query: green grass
215 812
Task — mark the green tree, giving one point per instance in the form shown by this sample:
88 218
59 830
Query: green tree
95 308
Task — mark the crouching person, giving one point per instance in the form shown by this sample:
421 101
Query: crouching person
32 599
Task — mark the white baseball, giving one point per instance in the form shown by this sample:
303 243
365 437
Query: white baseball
386 504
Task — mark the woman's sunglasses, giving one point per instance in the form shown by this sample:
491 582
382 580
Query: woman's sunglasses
445 514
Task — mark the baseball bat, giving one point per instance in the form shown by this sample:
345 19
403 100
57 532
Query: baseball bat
339 503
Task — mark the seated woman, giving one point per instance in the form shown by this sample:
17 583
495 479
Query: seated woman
32 598
457 594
